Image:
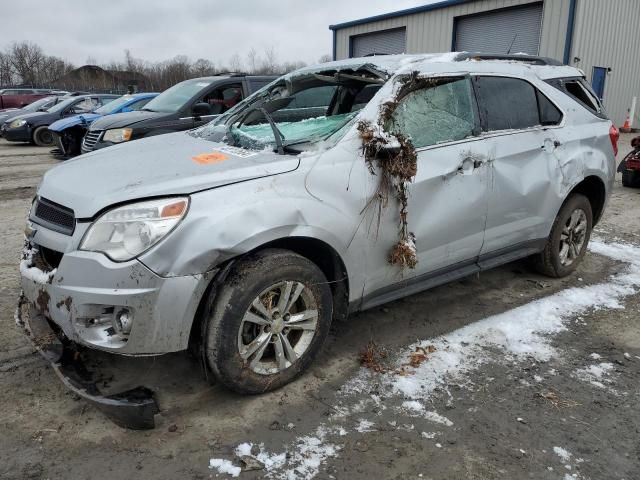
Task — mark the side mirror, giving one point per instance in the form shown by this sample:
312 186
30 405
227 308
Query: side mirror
201 109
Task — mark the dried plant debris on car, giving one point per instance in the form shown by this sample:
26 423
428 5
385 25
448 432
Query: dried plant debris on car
392 156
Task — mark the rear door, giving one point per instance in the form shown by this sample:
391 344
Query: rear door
519 124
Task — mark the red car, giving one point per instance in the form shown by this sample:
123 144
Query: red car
21 97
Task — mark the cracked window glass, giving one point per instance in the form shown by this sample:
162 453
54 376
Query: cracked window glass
435 114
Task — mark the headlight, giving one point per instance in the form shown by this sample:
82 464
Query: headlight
118 135
125 232
17 123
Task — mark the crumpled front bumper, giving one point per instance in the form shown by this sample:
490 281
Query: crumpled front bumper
134 409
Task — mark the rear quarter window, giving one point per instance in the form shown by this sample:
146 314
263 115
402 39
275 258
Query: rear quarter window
579 90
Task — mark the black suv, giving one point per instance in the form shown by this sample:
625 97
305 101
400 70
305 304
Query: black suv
184 106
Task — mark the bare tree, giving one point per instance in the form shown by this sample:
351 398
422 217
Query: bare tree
325 58
235 63
252 60
203 68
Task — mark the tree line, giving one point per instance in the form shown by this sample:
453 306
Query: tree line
26 64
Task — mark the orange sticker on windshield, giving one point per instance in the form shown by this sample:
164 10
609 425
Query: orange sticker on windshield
207 158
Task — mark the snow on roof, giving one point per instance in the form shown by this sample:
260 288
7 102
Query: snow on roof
443 63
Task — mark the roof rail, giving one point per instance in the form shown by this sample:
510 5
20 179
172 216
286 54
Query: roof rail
375 54
532 59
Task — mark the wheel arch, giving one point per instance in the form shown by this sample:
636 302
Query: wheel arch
317 251
594 189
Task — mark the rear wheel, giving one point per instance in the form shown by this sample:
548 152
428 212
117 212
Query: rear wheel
43 137
568 240
268 321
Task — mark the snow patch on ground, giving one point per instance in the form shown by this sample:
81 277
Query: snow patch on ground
596 374
224 466
562 453
522 333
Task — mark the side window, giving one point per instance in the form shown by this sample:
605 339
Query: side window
440 113
549 113
507 103
223 98
579 92
138 105
85 105
313 97
364 96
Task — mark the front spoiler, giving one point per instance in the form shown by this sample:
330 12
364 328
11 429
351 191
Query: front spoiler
133 409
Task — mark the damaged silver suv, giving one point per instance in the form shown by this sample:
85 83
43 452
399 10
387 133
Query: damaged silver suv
334 189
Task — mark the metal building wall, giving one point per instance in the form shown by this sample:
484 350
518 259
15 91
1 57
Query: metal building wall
607 34
432 31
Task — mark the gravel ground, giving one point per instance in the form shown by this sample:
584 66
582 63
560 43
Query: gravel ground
564 407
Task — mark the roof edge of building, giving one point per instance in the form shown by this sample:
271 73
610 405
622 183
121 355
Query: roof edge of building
400 13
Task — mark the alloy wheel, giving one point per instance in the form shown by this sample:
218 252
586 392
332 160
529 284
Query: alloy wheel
572 237
278 327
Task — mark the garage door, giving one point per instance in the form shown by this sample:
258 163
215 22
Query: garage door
387 41
516 30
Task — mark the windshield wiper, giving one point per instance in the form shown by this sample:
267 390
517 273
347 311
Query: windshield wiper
277 134
147 109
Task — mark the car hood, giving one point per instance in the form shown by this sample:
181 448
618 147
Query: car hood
36 118
155 166
126 119
68 122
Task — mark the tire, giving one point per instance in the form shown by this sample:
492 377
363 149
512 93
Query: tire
552 260
42 137
630 178
249 357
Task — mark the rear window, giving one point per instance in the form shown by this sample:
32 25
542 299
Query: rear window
580 91
513 104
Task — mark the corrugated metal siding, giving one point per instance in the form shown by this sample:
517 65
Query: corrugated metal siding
386 41
607 35
431 32
512 30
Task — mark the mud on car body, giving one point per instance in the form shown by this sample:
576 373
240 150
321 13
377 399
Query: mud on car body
247 236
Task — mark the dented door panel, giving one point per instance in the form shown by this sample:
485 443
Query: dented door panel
522 193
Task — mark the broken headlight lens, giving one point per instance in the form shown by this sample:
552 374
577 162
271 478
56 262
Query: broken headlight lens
125 232
117 135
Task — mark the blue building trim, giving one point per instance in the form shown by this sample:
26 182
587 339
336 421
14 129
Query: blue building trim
400 13
335 34
568 42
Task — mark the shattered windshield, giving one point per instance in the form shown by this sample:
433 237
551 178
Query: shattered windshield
294 113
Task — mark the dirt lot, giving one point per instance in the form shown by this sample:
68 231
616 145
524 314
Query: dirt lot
513 376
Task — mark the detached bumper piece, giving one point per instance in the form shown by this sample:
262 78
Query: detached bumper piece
133 409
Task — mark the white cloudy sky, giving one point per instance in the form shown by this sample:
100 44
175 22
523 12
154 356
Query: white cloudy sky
160 29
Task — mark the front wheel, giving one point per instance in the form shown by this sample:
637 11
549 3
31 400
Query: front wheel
267 322
568 240
43 137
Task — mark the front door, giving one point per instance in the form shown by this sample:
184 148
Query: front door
448 198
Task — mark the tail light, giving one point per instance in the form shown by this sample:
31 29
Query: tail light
614 135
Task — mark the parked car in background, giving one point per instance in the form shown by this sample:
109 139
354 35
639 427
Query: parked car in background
184 106
41 105
34 127
69 131
21 97
335 189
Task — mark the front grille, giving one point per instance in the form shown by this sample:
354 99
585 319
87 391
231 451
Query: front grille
90 140
56 217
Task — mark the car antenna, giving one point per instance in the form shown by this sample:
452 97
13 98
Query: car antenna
515 37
